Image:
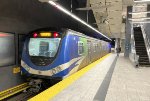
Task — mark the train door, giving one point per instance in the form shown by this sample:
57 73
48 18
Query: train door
100 49
89 51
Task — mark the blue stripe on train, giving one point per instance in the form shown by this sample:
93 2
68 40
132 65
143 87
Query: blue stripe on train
66 71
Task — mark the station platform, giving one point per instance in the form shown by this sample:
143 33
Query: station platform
114 78
129 83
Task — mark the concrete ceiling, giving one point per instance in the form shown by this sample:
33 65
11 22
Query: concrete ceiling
109 14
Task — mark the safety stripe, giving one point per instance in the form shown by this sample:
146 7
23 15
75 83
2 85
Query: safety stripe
12 91
51 92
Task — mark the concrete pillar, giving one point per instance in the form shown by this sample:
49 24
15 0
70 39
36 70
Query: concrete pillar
122 44
117 43
128 31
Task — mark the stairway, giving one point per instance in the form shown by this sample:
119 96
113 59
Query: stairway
140 48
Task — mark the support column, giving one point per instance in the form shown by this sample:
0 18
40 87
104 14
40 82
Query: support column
117 44
122 44
128 31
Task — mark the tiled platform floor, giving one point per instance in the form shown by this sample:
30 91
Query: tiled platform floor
85 88
129 83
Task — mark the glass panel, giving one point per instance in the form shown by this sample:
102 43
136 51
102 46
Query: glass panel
80 48
7 50
46 47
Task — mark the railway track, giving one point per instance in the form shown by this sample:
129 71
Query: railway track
25 91
24 96
13 91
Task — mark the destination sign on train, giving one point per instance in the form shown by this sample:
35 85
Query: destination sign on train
45 34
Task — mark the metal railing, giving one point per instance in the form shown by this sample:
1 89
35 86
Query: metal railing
133 56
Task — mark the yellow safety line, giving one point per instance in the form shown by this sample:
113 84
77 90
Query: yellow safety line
48 94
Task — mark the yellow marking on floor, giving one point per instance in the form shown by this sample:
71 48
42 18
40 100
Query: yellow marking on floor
16 70
51 92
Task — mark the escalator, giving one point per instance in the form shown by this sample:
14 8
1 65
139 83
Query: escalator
141 48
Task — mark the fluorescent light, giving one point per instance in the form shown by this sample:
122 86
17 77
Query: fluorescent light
139 6
52 3
139 12
139 22
139 19
75 17
141 1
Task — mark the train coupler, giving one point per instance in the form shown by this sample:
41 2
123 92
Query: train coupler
35 85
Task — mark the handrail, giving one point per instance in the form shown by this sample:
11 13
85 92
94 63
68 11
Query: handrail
146 41
134 57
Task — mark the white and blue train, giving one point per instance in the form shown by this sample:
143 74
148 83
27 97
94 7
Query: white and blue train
57 54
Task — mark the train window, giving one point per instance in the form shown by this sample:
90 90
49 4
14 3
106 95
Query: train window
95 47
46 47
105 48
7 51
80 48
100 46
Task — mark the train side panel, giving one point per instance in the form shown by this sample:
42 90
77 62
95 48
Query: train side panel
75 52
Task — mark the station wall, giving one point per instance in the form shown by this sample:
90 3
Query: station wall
9 61
147 30
147 25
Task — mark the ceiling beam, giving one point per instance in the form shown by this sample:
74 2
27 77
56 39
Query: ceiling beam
92 8
139 12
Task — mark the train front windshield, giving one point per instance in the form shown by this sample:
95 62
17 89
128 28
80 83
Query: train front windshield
45 47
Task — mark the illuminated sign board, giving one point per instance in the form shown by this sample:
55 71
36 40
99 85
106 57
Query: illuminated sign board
45 34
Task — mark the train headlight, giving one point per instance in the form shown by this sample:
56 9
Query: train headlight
56 70
39 72
25 66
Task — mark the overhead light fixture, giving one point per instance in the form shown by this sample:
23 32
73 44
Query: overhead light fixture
139 12
138 19
139 6
90 8
75 17
141 1
138 22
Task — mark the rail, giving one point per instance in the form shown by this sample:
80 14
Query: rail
12 91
